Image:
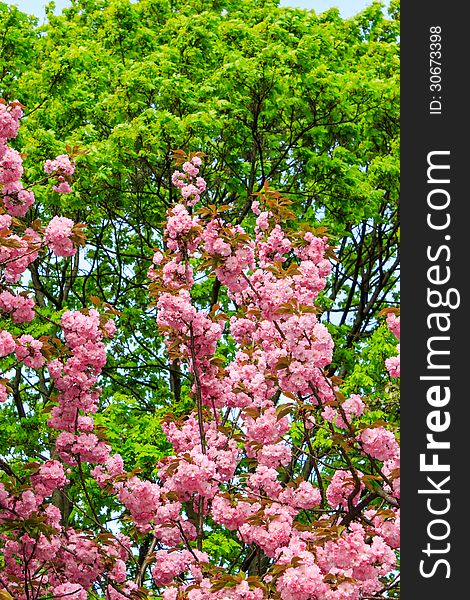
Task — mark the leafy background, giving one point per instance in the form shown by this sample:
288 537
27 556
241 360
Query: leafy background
307 102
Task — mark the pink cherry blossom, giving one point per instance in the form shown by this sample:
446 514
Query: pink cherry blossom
341 488
58 236
28 351
7 343
379 443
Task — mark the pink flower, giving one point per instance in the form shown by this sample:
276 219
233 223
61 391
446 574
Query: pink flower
110 328
274 532
5 221
70 591
16 199
305 496
62 165
28 351
190 168
342 485
170 564
302 583
157 257
142 499
201 184
20 307
187 181
273 455
393 365
7 343
10 115
393 323
267 428
62 188
58 236
263 221
49 477
352 407
17 259
80 328
379 443
179 224
11 168
175 310
3 393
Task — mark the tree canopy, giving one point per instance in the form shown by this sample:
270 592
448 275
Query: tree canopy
305 103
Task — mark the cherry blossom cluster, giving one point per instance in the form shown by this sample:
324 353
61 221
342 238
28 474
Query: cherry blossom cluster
20 242
75 379
393 363
190 185
323 530
63 169
16 199
58 560
42 556
274 277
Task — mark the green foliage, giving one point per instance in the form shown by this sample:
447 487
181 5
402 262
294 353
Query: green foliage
17 44
222 547
306 102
